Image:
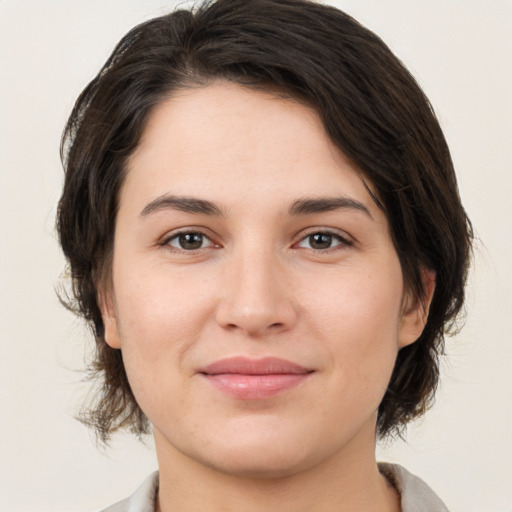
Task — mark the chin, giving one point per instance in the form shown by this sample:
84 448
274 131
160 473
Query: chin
258 456
261 465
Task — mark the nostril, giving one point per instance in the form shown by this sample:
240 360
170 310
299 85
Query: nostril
255 314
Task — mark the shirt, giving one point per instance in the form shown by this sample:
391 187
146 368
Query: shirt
416 495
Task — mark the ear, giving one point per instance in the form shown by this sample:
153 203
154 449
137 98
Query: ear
415 310
109 317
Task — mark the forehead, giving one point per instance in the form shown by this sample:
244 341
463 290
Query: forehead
224 117
224 141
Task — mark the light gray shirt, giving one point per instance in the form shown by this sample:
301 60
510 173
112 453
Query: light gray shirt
416 495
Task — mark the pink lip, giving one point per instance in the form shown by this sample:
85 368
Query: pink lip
247 378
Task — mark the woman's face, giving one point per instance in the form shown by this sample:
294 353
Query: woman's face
257 296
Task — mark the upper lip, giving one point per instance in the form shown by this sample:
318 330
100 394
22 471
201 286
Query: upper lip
249 366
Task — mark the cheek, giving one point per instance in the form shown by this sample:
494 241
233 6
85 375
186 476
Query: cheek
157 331
358 321
357 301
160 317
160 302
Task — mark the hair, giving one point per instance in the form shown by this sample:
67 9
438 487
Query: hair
372 109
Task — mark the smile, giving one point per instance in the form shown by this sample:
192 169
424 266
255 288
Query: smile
252 379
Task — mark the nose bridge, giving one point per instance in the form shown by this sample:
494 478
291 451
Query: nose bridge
256 298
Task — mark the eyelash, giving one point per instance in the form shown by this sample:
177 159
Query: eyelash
342 241
176 236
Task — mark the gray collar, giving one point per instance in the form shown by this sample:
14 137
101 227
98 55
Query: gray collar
416 495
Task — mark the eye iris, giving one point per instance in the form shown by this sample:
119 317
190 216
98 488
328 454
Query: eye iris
320 241
190 241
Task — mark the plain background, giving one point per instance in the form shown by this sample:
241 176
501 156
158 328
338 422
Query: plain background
460 52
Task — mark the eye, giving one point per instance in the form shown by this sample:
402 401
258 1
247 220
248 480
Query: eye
189 241
323 240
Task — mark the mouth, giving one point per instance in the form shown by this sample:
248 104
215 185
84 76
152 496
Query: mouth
252 379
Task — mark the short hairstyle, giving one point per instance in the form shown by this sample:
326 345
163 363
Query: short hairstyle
371 108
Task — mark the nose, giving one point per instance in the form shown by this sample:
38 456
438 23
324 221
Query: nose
257 297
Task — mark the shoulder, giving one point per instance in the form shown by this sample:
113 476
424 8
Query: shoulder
142 500
416 495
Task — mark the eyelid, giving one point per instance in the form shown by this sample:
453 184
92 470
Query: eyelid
171 235
344 239
342 236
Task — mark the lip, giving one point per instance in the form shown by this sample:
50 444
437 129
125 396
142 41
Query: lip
251 379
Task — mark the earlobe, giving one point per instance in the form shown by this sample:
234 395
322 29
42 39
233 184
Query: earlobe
416 309
108 314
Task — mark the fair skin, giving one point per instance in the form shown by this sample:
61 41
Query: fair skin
243 232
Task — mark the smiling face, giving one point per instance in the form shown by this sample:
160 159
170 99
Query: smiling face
256 294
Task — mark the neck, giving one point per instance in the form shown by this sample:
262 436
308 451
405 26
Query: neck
348 481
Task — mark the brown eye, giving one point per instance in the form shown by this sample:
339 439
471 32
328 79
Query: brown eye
191 241
323 240
320 241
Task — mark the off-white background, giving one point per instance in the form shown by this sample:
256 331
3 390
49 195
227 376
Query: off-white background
461 53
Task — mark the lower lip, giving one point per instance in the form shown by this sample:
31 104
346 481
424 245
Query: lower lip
253 387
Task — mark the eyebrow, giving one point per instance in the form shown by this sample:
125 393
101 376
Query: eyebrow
184 204
304 206
307 205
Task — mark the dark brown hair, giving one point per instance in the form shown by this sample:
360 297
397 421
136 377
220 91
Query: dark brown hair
372 109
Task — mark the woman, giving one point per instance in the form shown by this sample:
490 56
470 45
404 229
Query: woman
263 226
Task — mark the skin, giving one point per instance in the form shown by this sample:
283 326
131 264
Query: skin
256 285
